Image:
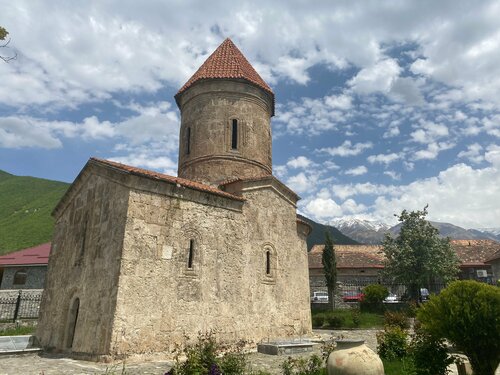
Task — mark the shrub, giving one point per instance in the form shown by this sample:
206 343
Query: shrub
467 314
335 321
318 320
392 343
373 299
206 356
302 366
356 317
429 354
396 318
326 348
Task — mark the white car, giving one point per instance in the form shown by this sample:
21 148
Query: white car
391 298
320 297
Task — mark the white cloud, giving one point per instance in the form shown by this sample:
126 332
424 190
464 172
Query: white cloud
429 132
323 208
383 158
492 155
357 171
432 150
342 102
23 132
347 149
300 183
377 78
299 162
460 195
393 174
473 153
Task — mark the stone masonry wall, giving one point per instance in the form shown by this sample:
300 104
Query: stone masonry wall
160 299
35 277
84 263
208 109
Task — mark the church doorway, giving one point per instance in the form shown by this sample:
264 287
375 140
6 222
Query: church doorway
72 319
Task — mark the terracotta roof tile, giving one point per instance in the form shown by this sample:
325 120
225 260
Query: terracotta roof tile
227 62
349 256
164 177
474 252
469 252
37 255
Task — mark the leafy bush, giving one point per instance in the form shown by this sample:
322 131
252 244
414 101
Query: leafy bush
302 366
207 357
335 321
373 299
392 343
467 314
356 317
396 318
429 354
326 348
318 320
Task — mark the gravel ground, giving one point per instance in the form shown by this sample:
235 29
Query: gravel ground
33 364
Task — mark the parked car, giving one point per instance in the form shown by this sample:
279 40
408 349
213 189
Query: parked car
353 296
391 298
320 297
424 294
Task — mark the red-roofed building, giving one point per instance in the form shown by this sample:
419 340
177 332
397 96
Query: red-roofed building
25 269
362 263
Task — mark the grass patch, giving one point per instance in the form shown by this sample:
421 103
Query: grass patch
18 331
398 366
347 318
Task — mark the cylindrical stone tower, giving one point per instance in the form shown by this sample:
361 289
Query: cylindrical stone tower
226 110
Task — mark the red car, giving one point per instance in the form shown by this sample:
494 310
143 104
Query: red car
353 296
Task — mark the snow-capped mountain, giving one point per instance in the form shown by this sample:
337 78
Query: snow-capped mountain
364 231
371 232
491 231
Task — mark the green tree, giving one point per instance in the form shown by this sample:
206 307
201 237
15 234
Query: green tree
3 36
418 257
330 267
467 313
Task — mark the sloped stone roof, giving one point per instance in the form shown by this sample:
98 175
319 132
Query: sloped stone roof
470 253
475 252
227 62
164 177
349 256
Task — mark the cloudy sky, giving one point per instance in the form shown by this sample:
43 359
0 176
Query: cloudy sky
381 105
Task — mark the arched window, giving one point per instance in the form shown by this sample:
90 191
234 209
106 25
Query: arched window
20 277
72 320
234 135
270 264
190 254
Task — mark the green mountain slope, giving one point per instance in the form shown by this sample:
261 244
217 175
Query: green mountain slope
25 207
317 235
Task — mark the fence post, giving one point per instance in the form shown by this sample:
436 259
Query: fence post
18 304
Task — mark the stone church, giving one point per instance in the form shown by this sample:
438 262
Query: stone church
141 260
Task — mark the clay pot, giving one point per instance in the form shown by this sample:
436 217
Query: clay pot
353 357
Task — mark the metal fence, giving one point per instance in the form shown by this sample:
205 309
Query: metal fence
350 291
24 305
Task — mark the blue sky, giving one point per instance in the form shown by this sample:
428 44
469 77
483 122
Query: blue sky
381 105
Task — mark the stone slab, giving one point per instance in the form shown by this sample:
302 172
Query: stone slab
281 348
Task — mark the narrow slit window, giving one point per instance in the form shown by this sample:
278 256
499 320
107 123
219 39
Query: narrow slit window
268 262
191 254
188 141
234 138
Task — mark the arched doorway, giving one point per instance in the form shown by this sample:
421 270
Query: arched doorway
72 319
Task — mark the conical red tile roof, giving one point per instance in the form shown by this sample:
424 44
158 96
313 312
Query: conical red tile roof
227 62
